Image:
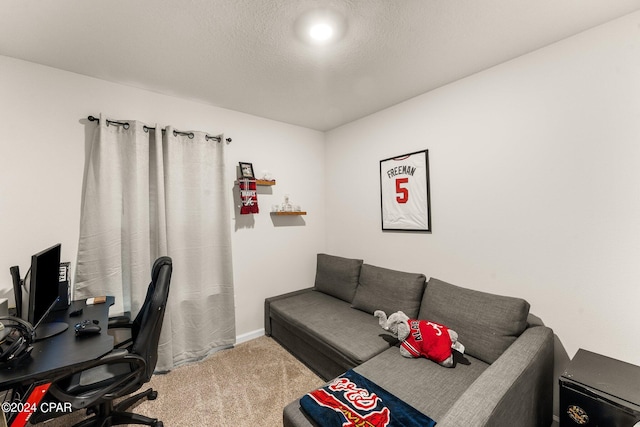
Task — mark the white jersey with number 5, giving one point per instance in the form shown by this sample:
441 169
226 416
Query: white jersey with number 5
404 192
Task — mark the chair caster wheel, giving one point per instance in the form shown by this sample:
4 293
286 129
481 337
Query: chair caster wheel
153 396
158 424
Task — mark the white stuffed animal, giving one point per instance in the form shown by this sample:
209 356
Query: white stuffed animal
421 337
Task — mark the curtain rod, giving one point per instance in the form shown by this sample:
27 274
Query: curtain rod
147 128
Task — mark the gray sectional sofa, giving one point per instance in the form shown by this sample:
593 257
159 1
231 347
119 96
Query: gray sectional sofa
503 379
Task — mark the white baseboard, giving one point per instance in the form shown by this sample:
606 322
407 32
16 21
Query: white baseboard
249 336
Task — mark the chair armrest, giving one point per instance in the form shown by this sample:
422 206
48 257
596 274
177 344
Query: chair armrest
114 356
126 344
516 388
119 321
83 400
267 307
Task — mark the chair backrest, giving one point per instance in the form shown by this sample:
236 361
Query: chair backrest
148 323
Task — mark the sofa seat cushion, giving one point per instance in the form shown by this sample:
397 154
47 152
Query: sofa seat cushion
421 383
353 333
389 290
486 324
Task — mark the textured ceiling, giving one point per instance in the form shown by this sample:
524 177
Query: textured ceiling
245 55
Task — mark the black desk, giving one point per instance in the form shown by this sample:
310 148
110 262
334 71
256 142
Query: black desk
56 355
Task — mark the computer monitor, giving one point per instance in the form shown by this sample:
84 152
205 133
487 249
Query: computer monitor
43 291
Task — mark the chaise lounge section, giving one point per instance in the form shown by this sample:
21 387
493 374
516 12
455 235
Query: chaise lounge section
503 379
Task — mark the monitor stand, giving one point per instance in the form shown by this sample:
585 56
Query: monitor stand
48 330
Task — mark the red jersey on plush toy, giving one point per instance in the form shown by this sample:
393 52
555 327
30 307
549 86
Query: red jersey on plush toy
428 339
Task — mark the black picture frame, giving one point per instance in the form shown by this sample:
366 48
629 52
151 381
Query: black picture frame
405 196
246 170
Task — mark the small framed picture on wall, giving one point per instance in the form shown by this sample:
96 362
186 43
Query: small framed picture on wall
246 170
404 192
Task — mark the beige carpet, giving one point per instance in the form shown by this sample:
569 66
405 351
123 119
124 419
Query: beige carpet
248 385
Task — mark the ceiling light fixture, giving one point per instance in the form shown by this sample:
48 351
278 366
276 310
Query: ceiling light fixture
321 32
320 26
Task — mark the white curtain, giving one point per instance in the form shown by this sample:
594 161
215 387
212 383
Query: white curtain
149 193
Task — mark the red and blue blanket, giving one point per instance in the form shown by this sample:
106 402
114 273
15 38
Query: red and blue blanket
351 400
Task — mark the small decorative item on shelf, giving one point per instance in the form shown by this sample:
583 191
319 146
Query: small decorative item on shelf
266 178
287 208
246 170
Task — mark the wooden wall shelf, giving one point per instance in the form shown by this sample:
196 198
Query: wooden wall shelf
265 182
288 213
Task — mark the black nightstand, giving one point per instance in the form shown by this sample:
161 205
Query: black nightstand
596 390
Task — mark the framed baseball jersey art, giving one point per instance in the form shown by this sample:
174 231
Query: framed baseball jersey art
404 192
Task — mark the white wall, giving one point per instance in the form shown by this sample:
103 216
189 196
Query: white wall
43 131
535 186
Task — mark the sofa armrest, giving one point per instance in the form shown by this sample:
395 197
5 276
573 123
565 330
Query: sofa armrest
517 389
267 307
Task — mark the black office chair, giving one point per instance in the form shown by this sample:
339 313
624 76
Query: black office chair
127 368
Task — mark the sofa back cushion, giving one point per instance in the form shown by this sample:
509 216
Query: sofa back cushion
486 324
337 276
389 291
